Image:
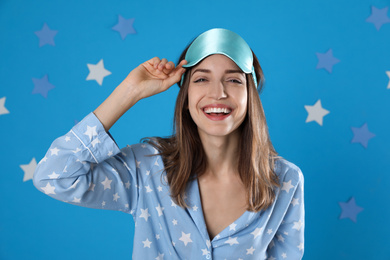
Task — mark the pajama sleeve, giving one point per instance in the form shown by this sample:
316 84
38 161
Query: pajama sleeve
85 167
288 242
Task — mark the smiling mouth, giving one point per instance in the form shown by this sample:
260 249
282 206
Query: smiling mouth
215 111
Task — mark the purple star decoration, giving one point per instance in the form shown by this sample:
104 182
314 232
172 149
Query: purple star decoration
124 26
378 17
46 36
42 86
349 209
326 60
361 135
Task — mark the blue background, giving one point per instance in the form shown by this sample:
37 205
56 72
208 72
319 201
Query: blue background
285 35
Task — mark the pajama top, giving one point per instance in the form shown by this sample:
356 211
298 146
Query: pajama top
85 167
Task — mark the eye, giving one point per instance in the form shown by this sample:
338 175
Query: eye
235 81
200 80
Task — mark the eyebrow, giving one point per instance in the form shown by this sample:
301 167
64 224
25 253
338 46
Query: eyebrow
226 71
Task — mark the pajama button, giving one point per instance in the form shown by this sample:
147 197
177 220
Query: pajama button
208 256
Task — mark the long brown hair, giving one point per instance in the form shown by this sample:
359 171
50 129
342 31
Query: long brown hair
184 158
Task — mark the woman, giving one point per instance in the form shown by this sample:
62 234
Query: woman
215 189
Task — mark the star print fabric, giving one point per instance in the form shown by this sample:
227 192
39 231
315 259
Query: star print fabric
85 167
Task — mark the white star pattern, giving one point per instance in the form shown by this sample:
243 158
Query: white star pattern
127 184
67 138
147 173
174 222
76 200
300 247
232 226
116 197
53 175
316 113
148 189
284 255
29 169
145 214
269 232
95 141
91 132
160 256
110 153
295 201
138 163
287 186
157 236
103 203
48 189
77 150
97 72
54 151
271 258
250 251
208 243
205 251
232 241
159 210
159 188
257 232
185 238
195 208
106 183
3 110
280 238
173 204
297 225
147 243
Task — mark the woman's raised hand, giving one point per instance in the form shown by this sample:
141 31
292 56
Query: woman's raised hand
149 78
154 76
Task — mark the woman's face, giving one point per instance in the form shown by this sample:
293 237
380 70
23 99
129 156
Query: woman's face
217 96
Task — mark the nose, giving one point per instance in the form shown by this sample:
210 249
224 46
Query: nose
217 90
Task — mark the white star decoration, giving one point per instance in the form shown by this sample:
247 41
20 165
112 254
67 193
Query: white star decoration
297 225
316 113
231 241
145 214
185 238
160 256
91 132
205 251
53 175
148 189
48 189
97 72
95 141
232 226
287 186
300 246
3 110
257 232
295 201
159 210
147 243
116 197
29 169
250 251
106 183
54 151
174 222
388 74
76 200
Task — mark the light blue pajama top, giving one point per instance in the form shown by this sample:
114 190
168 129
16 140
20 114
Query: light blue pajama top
85 167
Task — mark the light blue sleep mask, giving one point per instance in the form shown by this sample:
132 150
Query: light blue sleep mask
220 41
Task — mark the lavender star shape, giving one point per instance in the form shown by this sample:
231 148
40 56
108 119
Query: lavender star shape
46 36
42 86
362 135
378 17
349 209
124 26
326 60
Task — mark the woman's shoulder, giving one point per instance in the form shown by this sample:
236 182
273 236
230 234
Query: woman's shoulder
287 170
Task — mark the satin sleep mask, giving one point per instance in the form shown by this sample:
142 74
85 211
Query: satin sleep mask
220 41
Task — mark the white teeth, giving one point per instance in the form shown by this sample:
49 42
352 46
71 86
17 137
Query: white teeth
209 110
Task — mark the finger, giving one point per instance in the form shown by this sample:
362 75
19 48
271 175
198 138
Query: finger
162 64
169 67
155 61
